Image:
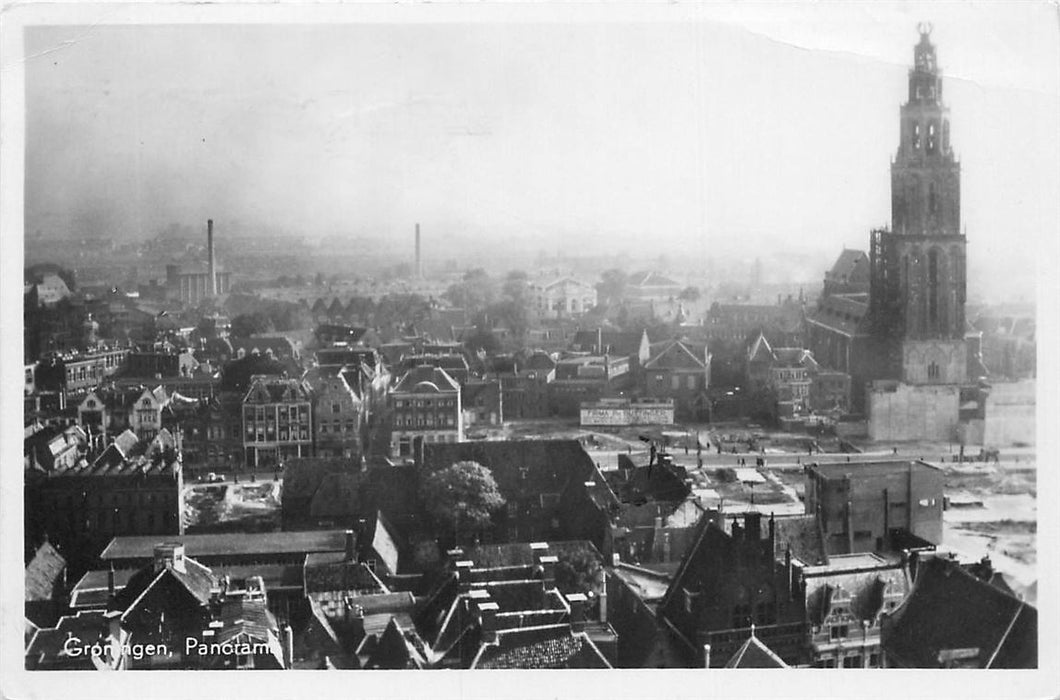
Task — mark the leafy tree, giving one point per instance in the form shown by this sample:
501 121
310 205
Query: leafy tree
576 572
246 325
612 286
474 292
517 286
482 339
462 497
690 294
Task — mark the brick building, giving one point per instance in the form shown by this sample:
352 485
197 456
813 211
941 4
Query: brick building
425 403
865 506
130 488
277 421
679 371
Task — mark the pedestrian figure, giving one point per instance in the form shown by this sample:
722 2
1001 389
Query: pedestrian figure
894 450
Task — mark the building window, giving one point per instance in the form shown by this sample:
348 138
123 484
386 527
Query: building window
852 661
839 631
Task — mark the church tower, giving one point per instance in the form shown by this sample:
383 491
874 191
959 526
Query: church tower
919 265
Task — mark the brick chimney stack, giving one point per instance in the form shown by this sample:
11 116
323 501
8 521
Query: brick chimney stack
419 260
211 289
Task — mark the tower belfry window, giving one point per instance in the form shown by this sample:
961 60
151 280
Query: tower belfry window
931 137
916 136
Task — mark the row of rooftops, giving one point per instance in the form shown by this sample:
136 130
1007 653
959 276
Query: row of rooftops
125 456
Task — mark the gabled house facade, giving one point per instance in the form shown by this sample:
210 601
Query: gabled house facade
680 371
277 421
561 298
425 404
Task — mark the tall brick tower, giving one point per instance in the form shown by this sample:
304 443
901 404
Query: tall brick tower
918 267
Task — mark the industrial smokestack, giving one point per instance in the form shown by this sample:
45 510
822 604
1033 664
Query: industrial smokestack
211 285
419 260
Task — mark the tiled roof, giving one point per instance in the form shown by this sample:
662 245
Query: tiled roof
395 651
760 351
863 590
676 354
126 442
539 361
276 390
553 646
42 572
197 579
335 496
46 650
851 264
280 345
614 342
522 554
248 616
847 314
650 279
952 609
754 654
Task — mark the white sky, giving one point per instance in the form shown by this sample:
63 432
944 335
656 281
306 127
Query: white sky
756 127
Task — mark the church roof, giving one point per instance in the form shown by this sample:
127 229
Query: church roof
754 654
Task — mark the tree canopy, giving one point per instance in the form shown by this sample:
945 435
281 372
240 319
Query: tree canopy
612 286
690 294
474 292
462 496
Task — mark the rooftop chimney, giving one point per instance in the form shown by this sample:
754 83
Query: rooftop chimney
753 524
351 546
212 283
419 260
170 554
578 603
547 565
288 647
487 611
603 596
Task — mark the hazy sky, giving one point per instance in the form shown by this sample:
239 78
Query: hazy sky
755 127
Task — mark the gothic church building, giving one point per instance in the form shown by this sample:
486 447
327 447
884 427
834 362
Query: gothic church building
906 344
